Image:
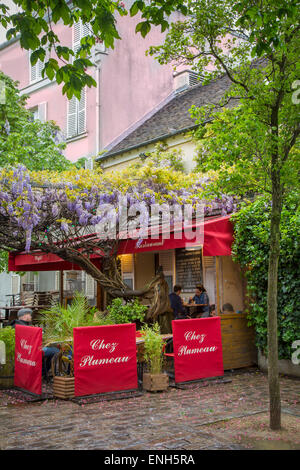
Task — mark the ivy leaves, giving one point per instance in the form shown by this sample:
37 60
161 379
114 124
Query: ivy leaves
251 250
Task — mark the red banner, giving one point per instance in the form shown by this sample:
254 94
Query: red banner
104 359
197 349
28 358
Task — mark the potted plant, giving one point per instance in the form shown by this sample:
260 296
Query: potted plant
154 380
58 323
7 357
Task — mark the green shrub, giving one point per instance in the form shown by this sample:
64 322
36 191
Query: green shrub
130 312
153 348
251 250
7 335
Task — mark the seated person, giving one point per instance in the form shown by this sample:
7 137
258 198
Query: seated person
227 308
176 304
212 311
25 319
201 298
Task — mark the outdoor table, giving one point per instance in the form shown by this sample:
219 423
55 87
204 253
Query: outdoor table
192 305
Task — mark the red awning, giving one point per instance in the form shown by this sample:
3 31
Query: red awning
218 238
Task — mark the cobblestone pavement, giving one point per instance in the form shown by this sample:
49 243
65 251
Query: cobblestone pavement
174 420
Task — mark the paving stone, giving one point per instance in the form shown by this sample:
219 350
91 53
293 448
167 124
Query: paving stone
174 420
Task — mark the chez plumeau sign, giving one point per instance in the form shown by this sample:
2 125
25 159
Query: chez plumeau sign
197 349
105 359
28 358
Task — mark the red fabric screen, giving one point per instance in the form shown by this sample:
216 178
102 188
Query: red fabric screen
104 359
197 349
28 358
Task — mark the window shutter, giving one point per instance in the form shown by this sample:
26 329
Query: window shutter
57 286
80 31
40 66
33 72
76 36
36 69
72 117
89 286
42 111
15 284
76 115
81 112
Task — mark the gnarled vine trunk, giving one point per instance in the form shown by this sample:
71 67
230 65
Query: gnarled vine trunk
109 278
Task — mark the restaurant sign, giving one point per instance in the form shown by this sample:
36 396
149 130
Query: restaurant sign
197 349
28 358
104 359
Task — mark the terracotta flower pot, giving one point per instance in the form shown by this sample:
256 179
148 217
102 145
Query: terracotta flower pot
155 382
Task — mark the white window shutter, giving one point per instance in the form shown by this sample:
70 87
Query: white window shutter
36 69
15 284
82 113
57 283
42 111
33 72
79 31
76 36
76 115
89 286
86 30
72 117
40 66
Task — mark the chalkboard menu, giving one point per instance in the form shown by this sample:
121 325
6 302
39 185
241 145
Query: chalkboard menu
188 269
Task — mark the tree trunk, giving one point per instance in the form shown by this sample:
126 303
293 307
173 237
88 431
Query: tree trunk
273 375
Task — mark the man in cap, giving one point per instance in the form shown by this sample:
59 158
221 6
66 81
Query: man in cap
25 319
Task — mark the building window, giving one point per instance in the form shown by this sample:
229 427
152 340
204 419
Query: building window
39 112
79 31
127 270
35 113
35 71
77 115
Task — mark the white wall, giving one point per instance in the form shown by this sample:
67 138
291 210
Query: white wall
5 288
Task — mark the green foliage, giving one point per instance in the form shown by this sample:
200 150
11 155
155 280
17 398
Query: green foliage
250 134
120 312
251 250
153 348
58 322
7 335
161 157
23 140
35 28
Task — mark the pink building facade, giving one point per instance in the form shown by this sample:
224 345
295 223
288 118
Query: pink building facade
129 85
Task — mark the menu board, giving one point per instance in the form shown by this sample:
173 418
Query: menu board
188 269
